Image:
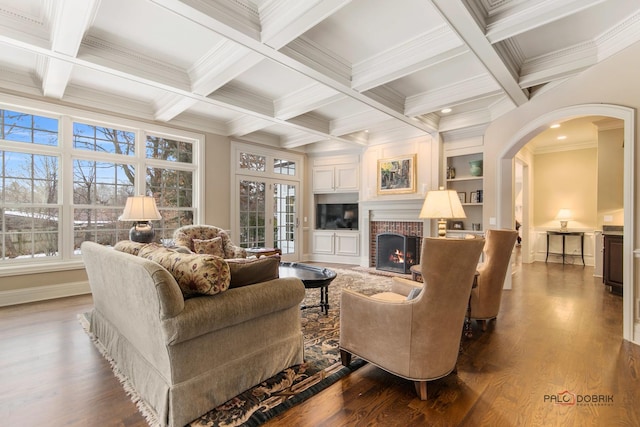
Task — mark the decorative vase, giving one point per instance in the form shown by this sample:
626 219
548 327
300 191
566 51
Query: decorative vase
475 167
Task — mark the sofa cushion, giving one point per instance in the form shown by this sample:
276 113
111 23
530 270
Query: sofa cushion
196 274
209 246
247 271
129 247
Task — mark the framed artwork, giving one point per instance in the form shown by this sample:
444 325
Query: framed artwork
474 197
462 196
457 225
397 175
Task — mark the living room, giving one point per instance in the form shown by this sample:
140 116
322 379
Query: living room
214 107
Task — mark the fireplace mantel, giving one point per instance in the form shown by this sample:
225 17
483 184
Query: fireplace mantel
391 210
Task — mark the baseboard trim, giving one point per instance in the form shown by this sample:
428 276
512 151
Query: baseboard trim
42 293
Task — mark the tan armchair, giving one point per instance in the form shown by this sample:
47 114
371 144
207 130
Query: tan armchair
184 236
416 339
486 297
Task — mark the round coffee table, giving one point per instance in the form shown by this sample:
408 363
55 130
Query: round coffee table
312 277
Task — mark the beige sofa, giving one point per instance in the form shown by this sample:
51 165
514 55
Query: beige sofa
186 356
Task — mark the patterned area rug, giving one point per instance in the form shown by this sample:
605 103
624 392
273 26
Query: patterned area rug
321 368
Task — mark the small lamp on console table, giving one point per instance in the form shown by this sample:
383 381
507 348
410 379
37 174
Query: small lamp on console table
564 215
442 205
142 210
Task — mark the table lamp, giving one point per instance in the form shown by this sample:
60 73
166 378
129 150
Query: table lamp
442 205
564 215
142 210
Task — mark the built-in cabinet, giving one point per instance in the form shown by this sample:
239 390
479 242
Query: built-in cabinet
336 179
463 169
342 177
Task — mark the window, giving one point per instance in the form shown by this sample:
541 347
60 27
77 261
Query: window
47 214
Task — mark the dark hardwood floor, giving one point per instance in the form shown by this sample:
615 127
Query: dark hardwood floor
559 330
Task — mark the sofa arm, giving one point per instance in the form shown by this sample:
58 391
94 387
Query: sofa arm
210 313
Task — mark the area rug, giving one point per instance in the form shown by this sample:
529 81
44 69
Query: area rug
321 368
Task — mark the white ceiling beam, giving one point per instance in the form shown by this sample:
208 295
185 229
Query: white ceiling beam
285 20
477 87
198 12
532 14
171 105
465 25
429 49
304 100
356 122
70 20
465 120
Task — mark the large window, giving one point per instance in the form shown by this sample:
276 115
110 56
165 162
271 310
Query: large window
57 192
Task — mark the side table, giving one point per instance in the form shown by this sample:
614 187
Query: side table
564 235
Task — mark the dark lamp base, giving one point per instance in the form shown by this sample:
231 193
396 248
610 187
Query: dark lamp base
142 232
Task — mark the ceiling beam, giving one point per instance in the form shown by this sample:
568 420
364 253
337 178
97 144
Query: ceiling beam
465 25
70 20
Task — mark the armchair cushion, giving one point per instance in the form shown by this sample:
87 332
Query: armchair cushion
195 274
248 271
209 246
129 247
184 236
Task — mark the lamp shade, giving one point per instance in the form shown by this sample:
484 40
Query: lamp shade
442 204
564 215
140 208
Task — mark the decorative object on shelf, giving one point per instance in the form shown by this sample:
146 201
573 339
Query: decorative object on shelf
397 175
457 225
473 197
348 218
480 193
564 215
442 205
475 167
475 226
142 210
451 172
462 196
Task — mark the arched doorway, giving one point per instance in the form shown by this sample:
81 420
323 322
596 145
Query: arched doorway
505 173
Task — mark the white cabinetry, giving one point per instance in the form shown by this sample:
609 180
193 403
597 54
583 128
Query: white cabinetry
336 246
336 175
468 182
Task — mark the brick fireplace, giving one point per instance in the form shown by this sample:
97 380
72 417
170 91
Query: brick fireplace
397 227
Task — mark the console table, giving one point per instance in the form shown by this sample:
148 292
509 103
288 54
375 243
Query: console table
564 235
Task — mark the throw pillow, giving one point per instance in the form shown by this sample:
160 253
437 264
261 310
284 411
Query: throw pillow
196 274
209 246
413 293
129 246
247 271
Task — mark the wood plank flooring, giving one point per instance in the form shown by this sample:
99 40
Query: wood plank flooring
559 329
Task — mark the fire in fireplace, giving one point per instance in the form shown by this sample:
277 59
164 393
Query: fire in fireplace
397 252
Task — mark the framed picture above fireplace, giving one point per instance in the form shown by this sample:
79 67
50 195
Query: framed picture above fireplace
397 175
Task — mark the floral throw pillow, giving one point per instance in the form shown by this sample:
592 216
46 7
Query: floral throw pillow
195 274
209 246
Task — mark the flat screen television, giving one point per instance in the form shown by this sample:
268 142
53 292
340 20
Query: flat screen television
333 216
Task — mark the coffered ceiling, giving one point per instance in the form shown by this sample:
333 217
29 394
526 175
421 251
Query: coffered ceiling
310 75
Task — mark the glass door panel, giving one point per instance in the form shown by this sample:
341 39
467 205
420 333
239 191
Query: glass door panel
284 217
252 214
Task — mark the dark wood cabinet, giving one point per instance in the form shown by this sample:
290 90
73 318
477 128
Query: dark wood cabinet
613 262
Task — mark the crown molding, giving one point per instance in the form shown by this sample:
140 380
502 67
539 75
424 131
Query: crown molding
581 145
170 105
556 65
356 122
320 59
465 133
244 99
428 49
465 120
311 121
456 93
387 97
202 124
245 125
619 37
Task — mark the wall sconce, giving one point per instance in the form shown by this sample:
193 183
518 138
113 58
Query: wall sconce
442 205
564 215
142 210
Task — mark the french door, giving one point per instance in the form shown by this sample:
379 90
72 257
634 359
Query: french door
268 214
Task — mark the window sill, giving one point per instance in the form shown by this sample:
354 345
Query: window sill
41 267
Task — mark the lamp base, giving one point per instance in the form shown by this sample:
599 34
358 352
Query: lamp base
442 228
142 232
563 225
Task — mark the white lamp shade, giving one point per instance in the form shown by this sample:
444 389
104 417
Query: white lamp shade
442 204
140 208
564 215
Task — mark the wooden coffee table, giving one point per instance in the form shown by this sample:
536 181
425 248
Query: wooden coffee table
312 277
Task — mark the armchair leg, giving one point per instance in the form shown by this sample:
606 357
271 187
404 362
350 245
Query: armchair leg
421 389
345 358
483 325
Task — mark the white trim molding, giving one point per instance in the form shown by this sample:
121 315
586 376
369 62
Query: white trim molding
43 293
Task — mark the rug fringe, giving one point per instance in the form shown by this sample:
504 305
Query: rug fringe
148 414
